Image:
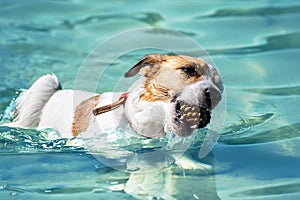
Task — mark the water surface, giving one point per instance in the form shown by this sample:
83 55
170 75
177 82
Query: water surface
255 47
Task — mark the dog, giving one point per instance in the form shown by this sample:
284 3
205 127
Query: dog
174 93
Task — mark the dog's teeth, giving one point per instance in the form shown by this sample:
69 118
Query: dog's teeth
194 114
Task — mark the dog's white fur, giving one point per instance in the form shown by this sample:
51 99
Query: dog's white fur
30 104
148 108
44 105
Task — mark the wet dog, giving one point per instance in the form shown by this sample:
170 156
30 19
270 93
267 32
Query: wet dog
174 94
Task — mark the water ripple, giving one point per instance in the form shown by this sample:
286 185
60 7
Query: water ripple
264 11
150 18
246 123
284 132
273 43
281 91
270 190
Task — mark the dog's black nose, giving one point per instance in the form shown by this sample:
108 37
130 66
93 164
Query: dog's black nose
207 103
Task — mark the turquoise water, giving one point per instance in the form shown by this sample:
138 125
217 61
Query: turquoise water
255 47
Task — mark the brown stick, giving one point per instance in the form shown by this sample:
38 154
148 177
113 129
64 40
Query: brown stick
110 107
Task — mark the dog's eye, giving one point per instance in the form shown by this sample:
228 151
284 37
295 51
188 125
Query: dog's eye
191 71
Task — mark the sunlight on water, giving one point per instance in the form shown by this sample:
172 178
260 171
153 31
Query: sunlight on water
256 49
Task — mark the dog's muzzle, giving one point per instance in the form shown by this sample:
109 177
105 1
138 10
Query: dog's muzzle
194 116
193 106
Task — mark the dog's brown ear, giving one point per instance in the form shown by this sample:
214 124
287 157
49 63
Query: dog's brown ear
146 65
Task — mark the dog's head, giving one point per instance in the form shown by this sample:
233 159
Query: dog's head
192 87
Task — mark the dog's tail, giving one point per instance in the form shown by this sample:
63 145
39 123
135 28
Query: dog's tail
29 104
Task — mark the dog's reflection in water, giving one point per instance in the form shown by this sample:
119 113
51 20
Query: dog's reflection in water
160 175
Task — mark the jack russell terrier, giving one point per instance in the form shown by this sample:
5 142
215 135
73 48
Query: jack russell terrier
174 94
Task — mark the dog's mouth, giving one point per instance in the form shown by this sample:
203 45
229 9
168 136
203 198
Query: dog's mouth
188 116
193 116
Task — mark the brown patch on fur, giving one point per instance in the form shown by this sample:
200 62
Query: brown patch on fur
83 114
146 66
155 92
166 77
